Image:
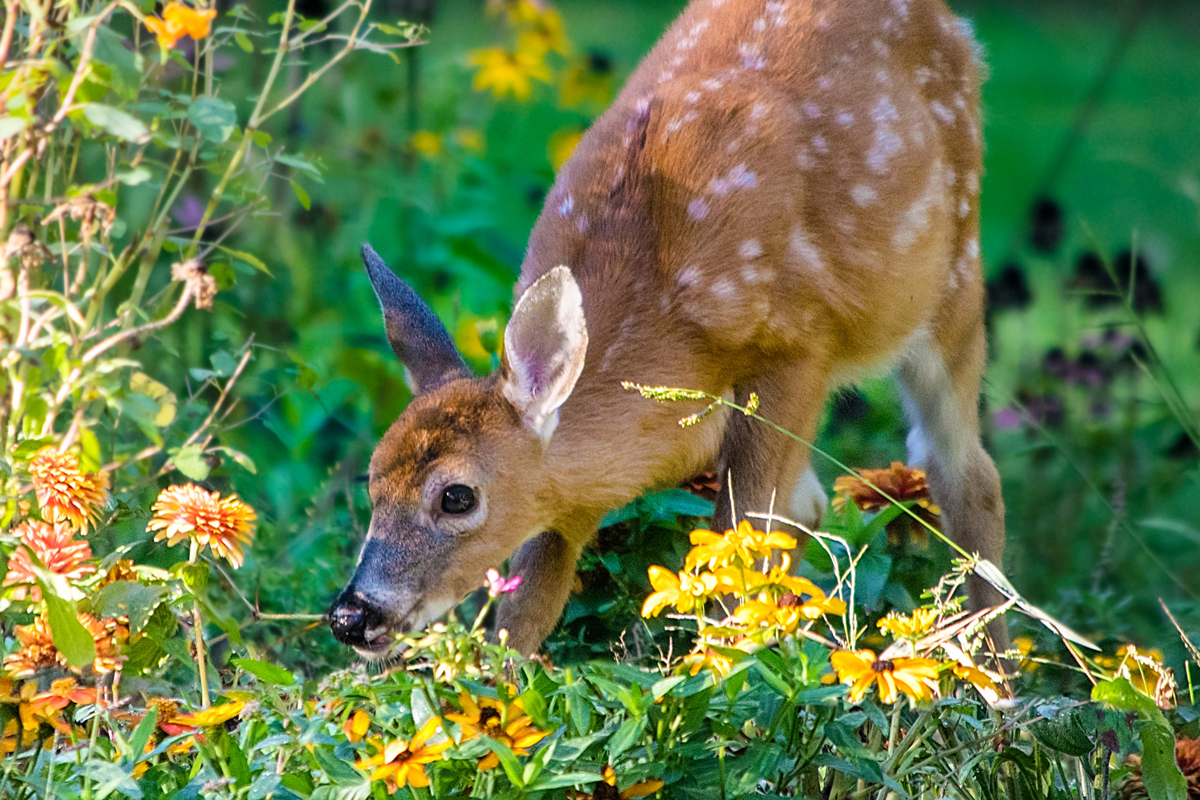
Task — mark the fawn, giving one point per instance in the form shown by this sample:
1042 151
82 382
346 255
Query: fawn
784 197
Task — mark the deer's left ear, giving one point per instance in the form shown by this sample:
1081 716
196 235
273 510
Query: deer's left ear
544 347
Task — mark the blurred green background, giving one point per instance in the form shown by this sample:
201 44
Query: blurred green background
1093 162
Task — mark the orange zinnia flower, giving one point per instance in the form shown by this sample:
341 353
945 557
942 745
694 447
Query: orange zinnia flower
54 547
178 21
402 763
47 706
209 717
64 491
899 482
189 511
37 648
915 677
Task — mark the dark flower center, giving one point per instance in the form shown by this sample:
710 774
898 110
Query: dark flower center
789 599
489 718
883 666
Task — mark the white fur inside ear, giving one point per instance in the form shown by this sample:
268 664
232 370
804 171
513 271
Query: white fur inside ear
545 344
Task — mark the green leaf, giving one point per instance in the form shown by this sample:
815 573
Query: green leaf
626 735
10 127
1160 773
224 364
265 671
125 66
134 177
244 461
512 767
565 779
67 632
243 41
252 260
337 770
190 461
142 733
301 195
213 117
297 162
128 599
117 122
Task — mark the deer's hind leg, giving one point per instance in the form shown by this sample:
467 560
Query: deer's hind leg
940 381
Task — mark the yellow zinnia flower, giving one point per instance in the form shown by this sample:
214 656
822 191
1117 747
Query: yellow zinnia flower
401 763
507 724
504 73
915 677
684 591
65 493
356 726
189 511
212 716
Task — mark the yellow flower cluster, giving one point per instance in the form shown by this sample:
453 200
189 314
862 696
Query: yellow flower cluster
511 70
737 563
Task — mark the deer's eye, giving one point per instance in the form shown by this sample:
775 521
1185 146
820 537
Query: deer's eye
457 499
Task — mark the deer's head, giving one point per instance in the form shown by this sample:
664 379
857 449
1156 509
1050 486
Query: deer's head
456 482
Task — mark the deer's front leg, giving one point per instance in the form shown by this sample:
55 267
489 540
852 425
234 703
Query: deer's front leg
546 565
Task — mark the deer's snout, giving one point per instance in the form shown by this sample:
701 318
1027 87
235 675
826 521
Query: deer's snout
354 620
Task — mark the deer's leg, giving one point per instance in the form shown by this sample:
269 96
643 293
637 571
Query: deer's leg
546 565
762 462
940 380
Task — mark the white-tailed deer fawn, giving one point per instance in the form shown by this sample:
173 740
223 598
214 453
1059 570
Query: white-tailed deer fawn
784 197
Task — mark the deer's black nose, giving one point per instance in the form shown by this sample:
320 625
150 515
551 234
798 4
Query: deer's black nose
352 616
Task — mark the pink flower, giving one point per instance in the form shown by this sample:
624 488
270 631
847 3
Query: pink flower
498 585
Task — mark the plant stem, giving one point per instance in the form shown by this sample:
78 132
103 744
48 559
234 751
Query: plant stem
198 628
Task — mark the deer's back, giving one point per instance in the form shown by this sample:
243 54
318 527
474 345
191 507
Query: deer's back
777 175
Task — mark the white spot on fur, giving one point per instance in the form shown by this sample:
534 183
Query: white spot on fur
923 75
945 115
949 176
688 276
778 13
916 218
750 249
824 82
697 209
692 97
863 195
758 111
964 208
881 49
812 110
885 142
751 54
805 159
760 25
973 182
711 84
566 206
724 289
845 119
803 250
820 145
972 250
581 224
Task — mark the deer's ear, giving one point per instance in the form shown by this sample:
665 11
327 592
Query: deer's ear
544 347
416 334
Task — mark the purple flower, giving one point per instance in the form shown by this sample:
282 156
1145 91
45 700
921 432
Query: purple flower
498 584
